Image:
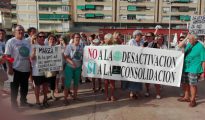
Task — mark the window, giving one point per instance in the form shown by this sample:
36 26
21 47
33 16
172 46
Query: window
123 7
108 17
107 8
131 17
22 7
123 17
22 16
32 7
32 17
80 15
65 8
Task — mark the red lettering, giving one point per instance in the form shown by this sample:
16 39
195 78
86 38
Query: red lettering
92 53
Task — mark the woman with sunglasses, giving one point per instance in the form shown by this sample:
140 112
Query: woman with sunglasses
38 77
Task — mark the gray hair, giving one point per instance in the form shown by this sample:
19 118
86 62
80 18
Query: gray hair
108 36
137 32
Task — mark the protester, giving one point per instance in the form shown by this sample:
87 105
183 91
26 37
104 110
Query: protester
117 38
34 39
194 63
38 77
181 38
108 40
73 56
51 75
134 87
2 61
31 31
95 42
60 76
19 49
151 43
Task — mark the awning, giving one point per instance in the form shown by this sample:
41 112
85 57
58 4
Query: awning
99 15
54 16
131 15
90 6
89 15
81 7
185 17
50 5
131 8
183 1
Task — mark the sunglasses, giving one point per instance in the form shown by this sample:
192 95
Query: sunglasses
41 36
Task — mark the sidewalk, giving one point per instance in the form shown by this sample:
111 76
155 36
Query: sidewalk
93 106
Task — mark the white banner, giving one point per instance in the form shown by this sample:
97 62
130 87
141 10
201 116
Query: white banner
49 58
131 63
197 25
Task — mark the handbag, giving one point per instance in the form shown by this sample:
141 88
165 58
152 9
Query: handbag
49 74
3 74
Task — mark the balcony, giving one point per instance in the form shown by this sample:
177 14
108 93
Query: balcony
136 8
135 0
63 17
53 8
94 0
94 16
181 1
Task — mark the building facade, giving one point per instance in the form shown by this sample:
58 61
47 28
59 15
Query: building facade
77 15
5 15
45 15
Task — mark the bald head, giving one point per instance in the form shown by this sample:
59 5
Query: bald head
192 39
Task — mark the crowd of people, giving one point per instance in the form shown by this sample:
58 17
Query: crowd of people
24 66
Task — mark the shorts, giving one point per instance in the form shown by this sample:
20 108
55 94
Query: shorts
190 78
39 80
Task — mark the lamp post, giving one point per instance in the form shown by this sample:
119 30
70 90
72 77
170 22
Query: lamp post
170 12
62 16
54 15
36 14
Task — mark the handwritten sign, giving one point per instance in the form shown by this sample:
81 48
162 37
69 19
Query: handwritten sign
197 25
49 58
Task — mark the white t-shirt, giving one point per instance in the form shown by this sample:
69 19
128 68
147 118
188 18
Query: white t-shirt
2 47
19 50
75 53
133 42
35 71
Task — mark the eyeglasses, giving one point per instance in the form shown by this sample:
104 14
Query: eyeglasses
41 36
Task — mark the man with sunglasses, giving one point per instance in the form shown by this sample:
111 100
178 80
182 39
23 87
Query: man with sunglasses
19 49
149 39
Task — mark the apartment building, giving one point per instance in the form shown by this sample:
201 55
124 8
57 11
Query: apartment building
54 15
137 11
96 11
5 15
181 11
46 15
62 15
